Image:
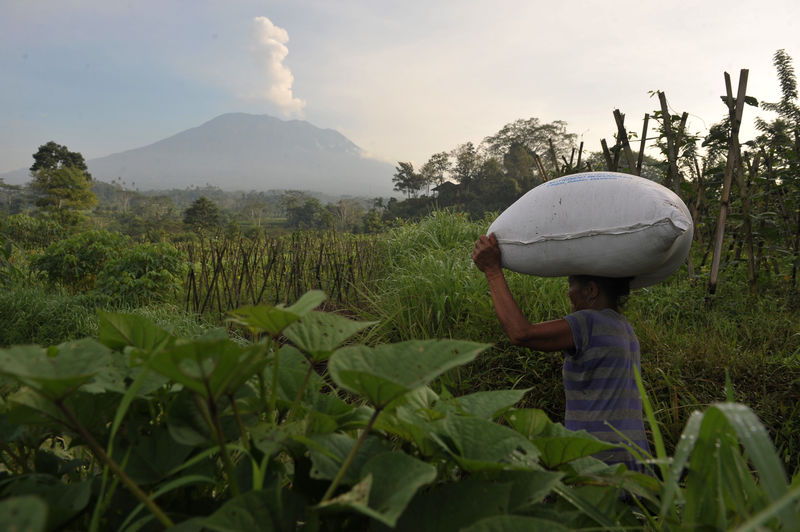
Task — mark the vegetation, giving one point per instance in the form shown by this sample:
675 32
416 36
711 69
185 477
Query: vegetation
251 437
122 408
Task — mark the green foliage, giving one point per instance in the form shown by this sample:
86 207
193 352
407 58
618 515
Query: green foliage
52 156
202 214
33 314
142 274
64 191
76 261
258 440
32 232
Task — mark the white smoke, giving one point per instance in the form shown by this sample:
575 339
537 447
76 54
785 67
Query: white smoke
275 78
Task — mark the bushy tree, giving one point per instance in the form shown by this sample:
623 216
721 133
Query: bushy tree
61 182
202 214
52 156
406 180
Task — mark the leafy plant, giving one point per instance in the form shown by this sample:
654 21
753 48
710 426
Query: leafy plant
141 428
76 261
142 274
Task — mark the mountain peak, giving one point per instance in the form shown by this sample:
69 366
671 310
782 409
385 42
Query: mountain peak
240 151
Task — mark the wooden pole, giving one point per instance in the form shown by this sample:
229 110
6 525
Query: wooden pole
622 139
735 110
640 160
580 152
607 155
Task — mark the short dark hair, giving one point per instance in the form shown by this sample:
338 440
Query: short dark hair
616 289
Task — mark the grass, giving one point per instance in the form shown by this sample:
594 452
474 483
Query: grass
690 345
35 314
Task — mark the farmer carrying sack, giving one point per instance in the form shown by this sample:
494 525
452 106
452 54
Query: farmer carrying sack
596 223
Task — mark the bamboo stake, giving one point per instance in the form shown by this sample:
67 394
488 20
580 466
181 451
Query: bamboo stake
580 152
735 110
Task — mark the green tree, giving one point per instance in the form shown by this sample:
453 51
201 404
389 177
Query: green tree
435 170
535 136
309 214
519 164
65 191
467 164
52 156
406 180
202 214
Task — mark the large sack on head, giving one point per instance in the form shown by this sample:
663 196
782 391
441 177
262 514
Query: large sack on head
596 223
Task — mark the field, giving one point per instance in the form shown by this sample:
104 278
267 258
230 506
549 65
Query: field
284 426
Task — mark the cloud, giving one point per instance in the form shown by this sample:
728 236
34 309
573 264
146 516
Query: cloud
274 78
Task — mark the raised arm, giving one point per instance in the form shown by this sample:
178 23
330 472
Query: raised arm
553 335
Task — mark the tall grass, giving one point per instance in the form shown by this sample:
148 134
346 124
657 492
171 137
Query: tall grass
34 314
690 346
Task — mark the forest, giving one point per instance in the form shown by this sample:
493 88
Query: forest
283 360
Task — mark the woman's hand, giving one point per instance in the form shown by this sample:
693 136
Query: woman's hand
486 254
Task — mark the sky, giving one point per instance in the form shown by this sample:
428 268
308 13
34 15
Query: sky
403 80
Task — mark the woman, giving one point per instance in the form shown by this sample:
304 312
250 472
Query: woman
600 353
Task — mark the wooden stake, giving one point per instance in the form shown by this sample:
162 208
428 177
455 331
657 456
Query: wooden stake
640 160
735 110
622 139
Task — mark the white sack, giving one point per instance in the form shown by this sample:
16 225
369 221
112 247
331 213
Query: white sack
596 223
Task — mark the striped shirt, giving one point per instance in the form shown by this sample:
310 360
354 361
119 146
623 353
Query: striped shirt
599 382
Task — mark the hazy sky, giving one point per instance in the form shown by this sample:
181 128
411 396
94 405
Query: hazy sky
403 80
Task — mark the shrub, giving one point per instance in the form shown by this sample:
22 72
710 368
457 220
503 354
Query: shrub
76 261
28 232
142 274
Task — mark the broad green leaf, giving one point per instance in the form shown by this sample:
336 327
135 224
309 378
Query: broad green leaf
482 445
26 513
488 404
291 375
389 482
187 424
320 333
453 506
528 488
515 523
557 444
384 373
256 511
55 372
336 448
117 331
562 449
273 320
152 456
208 367
530 422
64 501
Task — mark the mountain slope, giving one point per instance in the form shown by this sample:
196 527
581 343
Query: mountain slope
240 151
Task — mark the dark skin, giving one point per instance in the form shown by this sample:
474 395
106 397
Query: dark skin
554 335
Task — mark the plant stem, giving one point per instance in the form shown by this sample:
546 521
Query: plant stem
216 429
242 429
350 457
300 393
273 393
100 453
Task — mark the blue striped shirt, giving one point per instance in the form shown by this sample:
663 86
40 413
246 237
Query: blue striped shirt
599 382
